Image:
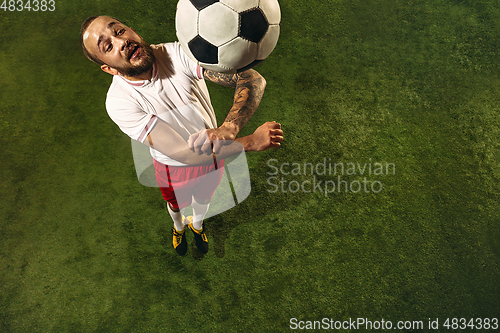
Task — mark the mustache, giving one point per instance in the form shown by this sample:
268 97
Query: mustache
131 48
146 64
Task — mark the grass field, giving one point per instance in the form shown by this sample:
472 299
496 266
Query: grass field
415 84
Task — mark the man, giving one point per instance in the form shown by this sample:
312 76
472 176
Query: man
159 97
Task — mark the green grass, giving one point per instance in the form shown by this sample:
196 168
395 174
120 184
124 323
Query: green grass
85 248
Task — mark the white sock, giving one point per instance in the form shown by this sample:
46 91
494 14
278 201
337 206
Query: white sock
177 217
199 212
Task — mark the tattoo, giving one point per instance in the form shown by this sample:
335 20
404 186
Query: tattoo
228 80
248 93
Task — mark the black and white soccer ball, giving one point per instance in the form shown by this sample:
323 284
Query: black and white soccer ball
228 36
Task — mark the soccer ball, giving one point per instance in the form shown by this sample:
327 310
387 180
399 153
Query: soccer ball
228 36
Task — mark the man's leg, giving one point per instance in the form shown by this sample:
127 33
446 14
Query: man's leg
202 195
200 209
176 200
179 236
177 215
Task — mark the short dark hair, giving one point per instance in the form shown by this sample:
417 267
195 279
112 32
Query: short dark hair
86 52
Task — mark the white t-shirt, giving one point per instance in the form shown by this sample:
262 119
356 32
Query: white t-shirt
176 93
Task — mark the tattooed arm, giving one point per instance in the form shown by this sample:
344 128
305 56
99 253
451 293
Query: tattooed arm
249 86
249 89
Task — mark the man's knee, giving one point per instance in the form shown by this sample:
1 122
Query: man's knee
202 201
175 210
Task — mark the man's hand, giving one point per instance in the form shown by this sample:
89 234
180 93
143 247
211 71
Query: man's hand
211 140
266 136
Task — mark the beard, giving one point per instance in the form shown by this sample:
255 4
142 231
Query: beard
147 58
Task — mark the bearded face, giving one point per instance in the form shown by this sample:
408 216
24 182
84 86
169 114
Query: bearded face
118 48
139 59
